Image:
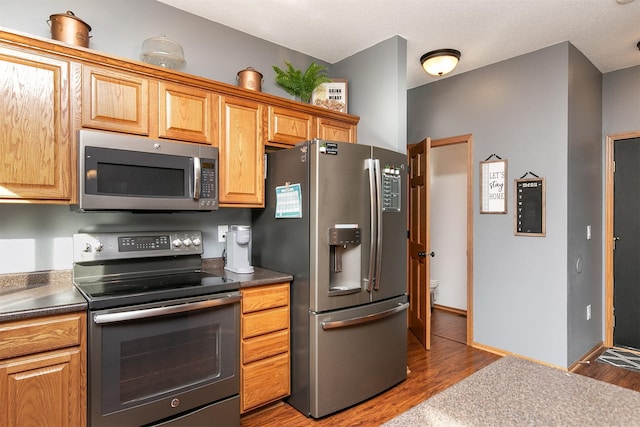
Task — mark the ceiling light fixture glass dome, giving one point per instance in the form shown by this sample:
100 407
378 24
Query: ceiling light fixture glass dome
440 62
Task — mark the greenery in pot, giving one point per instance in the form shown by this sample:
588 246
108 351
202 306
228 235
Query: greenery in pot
301 84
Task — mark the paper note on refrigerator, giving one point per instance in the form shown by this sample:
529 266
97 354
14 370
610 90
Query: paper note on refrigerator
289 201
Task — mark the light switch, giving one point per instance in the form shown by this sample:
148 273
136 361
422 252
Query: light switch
588 232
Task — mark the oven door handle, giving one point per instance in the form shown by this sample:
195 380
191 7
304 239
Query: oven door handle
124 316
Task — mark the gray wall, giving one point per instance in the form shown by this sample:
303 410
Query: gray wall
517 109
212 51
621 101
585 201
378 93
120 26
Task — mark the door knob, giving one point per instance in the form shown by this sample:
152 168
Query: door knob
423 254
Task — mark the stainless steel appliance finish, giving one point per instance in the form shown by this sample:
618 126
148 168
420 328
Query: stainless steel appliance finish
132 173
343 237
163 336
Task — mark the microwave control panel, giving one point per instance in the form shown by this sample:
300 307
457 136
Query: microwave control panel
208 191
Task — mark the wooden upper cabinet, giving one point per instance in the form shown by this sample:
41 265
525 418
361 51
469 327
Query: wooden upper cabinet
35 143
334 130
115 101
185 113
241 150
288 127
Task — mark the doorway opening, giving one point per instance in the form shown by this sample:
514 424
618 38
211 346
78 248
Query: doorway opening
420 252
620 317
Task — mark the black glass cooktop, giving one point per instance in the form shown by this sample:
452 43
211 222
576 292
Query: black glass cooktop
102 293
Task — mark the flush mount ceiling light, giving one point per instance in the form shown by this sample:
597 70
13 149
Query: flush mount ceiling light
440 62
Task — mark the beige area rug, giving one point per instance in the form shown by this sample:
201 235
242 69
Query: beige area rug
516 392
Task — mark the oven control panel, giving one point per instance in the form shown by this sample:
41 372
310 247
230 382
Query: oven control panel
104 246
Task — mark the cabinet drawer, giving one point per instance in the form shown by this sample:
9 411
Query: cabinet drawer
265 381
264 346
263 322
265 297
40 334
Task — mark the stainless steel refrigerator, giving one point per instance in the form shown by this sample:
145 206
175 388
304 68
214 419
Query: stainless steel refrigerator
335 218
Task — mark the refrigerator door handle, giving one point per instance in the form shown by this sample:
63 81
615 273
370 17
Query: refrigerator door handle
378 264
371 167
364 319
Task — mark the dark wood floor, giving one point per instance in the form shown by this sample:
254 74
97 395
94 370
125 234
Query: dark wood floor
448 362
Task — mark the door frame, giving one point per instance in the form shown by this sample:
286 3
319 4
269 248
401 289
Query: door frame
608 236
465 139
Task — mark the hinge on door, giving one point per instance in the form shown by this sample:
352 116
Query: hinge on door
614 166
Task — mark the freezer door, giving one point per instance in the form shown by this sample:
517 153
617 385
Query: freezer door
340 237
392 279
356 353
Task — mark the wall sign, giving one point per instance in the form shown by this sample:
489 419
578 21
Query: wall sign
493 186
530 207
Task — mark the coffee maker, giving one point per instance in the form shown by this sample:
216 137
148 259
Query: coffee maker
238 249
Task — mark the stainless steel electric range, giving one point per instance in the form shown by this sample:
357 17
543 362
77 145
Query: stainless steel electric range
163 335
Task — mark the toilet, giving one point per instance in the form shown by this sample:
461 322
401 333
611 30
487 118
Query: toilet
433 285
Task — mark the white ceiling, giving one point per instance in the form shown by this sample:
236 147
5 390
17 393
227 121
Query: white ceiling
485 31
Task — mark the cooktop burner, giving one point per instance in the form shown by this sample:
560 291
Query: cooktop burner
119 292
122 269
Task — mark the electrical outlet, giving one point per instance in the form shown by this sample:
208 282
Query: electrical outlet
222 233
589 312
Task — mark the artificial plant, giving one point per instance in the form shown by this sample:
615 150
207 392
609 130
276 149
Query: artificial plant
298 83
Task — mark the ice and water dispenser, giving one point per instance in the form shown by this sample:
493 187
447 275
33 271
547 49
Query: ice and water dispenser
345 254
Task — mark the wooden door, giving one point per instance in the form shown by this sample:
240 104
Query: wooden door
241 150
35 141
418 274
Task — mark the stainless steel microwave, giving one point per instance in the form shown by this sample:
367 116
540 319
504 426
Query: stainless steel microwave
120 172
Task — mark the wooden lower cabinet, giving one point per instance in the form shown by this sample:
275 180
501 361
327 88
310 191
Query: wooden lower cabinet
40 387
265 355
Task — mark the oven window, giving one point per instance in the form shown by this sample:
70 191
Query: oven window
144 360
168 361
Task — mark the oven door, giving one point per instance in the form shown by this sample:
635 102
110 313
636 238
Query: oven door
152 362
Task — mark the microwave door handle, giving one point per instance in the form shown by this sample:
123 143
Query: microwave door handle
197 178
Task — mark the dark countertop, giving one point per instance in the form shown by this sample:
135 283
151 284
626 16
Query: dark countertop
36 294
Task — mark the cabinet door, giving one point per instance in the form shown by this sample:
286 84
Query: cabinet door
241 153
45 389
288 127
35 141
185 113
115 101
334 130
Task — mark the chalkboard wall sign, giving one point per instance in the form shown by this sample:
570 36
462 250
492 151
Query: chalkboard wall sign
529 207
493 187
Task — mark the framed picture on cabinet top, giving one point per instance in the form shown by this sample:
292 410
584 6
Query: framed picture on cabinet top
331 95
493 187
